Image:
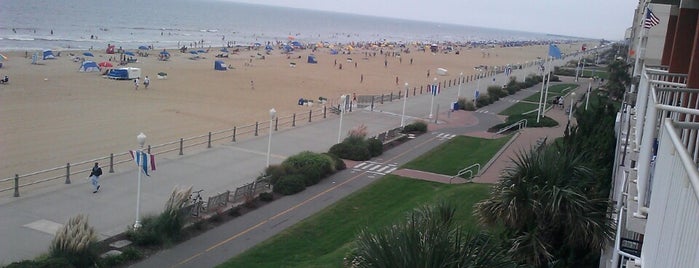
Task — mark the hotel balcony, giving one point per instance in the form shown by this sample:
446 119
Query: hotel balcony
656 184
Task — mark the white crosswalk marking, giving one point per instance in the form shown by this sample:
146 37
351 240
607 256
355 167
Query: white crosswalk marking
482 111
445 136
375 168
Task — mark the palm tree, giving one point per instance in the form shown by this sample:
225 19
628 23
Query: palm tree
429 238
544 204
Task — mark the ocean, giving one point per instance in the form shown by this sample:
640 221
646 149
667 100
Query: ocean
85 24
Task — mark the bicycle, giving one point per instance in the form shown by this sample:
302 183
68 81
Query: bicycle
198 203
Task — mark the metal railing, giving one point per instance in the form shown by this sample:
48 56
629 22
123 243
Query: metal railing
520 124
467 170
71 170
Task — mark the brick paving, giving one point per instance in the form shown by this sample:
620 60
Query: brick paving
527 138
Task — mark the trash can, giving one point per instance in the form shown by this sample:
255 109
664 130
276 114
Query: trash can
455 105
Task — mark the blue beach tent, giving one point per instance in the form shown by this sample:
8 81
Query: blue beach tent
312 59
89 66
129 53
88 54
268 47
118 74
143 47
333 51
219 65
48 54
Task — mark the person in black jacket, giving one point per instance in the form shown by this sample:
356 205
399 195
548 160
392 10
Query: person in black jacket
94 177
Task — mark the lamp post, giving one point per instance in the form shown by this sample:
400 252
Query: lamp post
405 99
343 99
433 92
587 96
461 78
141 138
572 98
272 115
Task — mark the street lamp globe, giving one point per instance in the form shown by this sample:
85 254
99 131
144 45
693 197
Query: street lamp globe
272 113
141 138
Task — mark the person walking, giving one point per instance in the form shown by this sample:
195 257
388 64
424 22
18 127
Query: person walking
94 177
135 83
146 82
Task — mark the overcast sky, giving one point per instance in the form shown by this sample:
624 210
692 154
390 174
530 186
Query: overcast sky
606 19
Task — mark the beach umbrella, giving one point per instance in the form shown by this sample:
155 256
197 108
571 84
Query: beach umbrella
88 54
105 64
193 52
129 53
143 47
201 51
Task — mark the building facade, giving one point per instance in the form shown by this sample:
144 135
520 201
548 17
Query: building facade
656 179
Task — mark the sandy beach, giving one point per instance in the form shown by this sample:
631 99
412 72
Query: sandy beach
51 114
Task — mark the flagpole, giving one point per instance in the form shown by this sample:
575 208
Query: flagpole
546 92
541 92
641 34
141 138
434 88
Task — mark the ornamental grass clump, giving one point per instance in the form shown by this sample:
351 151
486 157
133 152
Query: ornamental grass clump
75 242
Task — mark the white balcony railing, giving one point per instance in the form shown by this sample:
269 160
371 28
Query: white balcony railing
664 182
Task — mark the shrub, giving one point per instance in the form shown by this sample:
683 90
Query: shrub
467 105
483 100
265 196
358 132
290 184
415 127
375 147
312 166
75 242
127 255
349 151
166 227
147 235
532 80
274 172
338 164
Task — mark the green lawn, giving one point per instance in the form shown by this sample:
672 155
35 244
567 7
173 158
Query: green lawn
554 90
325 238
521 107
458 153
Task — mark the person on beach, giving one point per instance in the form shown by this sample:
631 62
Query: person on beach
252 85
95 176
146 82
135 83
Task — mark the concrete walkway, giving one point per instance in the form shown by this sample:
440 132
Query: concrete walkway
525 140
31 220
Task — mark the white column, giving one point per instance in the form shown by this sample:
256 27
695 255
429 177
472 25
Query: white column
641 101
644 156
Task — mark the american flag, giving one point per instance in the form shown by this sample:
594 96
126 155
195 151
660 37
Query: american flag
651 20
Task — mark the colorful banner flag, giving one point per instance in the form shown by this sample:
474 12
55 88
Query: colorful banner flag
435 90
144 160
651 20
554 51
